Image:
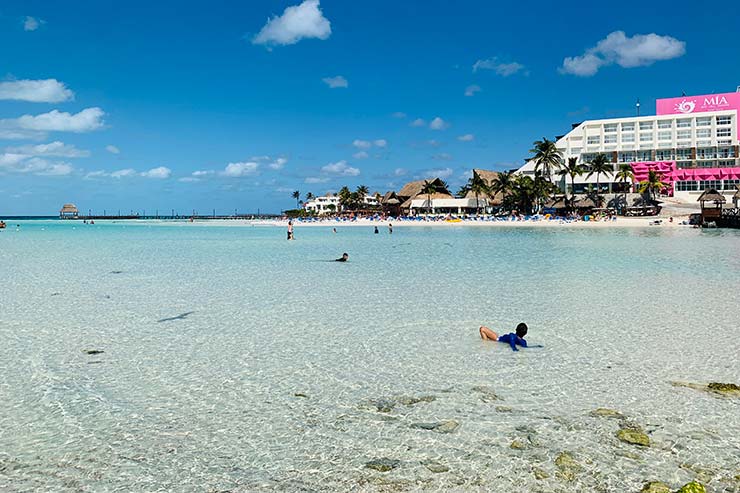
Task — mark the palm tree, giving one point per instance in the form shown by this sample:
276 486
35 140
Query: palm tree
625 174
345 198
309 197
547 158
572 169
429 188
600 165
463 191
297 197
361 192
478 186
653 184
503 184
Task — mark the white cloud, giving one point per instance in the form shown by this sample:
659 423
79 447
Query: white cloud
30 126
279 163
32 23
502 69
472 89
297 22
399 115
56 169
442 173
96 174
361 155
399 172
316 179
55 149
438 124
419 122
362 144
200 173
123 173
36 91
442 156
188 179
236 170
21 163
380 143
159 173
112 149
336 82
466 138
9 159
617 48
433 143
340 168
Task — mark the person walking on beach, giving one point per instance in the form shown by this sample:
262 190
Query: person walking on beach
290 230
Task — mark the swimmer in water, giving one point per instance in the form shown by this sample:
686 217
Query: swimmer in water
513 339
343 258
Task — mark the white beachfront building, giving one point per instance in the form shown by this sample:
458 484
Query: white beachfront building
329 203
695 138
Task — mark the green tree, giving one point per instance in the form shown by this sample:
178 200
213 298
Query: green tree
598 166
361 193
503 184
625 174
345 198
572 169
479 187
309 196
653 184
547 158
429 188
297 197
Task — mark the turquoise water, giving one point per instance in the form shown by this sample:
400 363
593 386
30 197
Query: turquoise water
206 401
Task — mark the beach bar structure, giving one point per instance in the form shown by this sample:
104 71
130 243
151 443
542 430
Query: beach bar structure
69 211
711 205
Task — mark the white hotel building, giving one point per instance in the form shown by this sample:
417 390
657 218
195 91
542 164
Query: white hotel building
329 203
693 141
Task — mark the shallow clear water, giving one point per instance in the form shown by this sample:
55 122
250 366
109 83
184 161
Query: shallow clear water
207 401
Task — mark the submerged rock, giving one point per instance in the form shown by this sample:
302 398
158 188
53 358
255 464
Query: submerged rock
447 426
655 487
410 401
435 467
540 473
504 409
383 464
567 466
388 404
603 412
714 388
517 445
634 437
489 395
692 487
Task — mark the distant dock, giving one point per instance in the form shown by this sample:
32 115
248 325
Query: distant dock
169 217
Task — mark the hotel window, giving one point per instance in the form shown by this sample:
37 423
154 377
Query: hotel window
575 151
664 135
628 137
665 124
705 153
594 139
610 139
683 134
686 186
705 164
683 154
731 184
726 164
645 156
703 133
646 125
724 142
704 121
628 127
724 120
683 123
707 184
646 136
665 145
724 132
725 152
610 127
626 157
664 155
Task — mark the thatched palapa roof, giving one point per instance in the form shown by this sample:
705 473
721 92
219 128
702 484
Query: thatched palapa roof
413 188
488 177
712 195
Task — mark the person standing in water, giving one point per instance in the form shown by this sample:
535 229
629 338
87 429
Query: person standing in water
390 229
290 230
376 230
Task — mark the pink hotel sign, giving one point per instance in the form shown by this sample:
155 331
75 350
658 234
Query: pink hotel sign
687 105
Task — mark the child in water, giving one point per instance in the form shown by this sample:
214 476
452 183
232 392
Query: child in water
513 339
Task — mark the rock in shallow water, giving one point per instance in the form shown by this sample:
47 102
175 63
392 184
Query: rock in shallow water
567 466
447 426
633 437
655 487
692 487
517 445
603 412
383 464
715 388
540 473
435 467
488 393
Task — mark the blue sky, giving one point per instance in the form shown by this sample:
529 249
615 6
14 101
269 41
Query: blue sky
116 105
